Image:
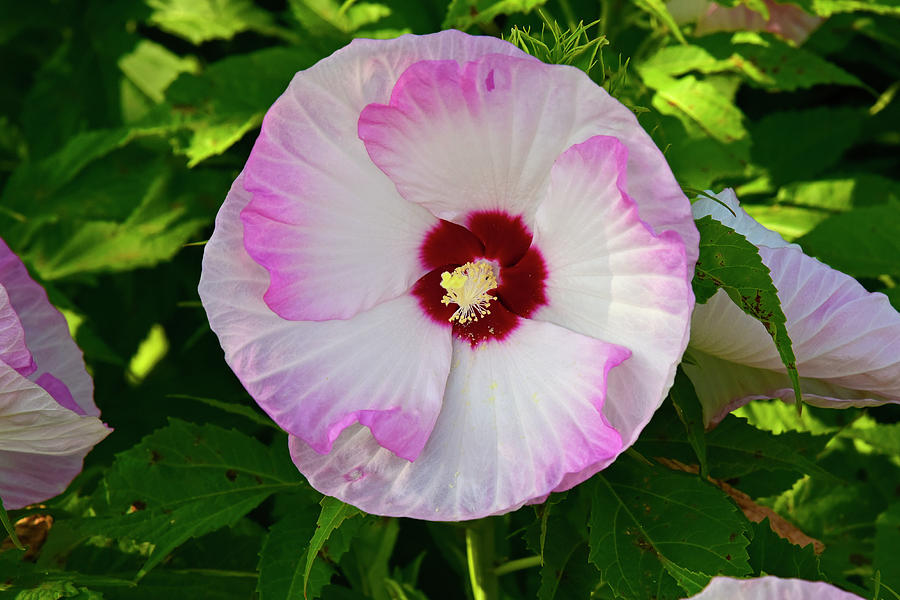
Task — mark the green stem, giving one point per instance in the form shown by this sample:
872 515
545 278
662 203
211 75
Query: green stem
7 524
480 556
518 565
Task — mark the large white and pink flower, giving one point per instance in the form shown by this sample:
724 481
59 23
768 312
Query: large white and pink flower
771 588
48 419
846 340
456 276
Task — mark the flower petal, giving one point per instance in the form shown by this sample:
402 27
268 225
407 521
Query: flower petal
13 351
385 368
42 444
326 223
728 210
518 416
483 136
771 588
46 333
611 278
846 341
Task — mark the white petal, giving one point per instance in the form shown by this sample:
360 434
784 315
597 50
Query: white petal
611 278
329 226
771 588
385 367
46 332
42 444
518 417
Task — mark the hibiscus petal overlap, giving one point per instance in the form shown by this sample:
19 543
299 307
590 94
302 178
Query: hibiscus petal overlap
48 419
846 339
393 297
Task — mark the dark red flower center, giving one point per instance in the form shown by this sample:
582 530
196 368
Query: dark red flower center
494 247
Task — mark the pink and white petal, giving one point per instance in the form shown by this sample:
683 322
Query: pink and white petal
385 368
42 445
518 416
326 223
46 332
734 216
724 386
481 136
611 278
484 136
771 588
13 351
846 341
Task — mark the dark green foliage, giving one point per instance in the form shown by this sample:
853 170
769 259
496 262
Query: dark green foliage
654 531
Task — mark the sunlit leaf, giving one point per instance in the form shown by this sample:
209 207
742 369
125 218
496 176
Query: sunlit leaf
864 242
651 528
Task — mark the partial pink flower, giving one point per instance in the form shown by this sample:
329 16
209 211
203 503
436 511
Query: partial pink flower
771 588
846 340
48 419
456 276
786 20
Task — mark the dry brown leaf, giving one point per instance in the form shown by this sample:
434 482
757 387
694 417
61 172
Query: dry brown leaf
32 532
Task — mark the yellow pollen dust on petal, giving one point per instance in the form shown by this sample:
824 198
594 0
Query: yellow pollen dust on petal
468 286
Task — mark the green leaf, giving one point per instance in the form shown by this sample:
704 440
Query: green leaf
864 242
800 144
282 560
152 68
186 480
696 102
559 537
27 580
337 20
125 211
699 161
651 527
366 564
690 413
658 9
887 541
33 188
826 8
883 438
728 261
188 584
770 554
735 448
761 58
229 99
199 21
334 513
462 14
799 207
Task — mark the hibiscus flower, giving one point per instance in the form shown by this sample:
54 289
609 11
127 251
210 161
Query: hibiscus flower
48 419
456 276
770 588
846 340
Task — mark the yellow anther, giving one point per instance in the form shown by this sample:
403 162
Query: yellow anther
468 287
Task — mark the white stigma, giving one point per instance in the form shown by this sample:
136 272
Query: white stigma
468 287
